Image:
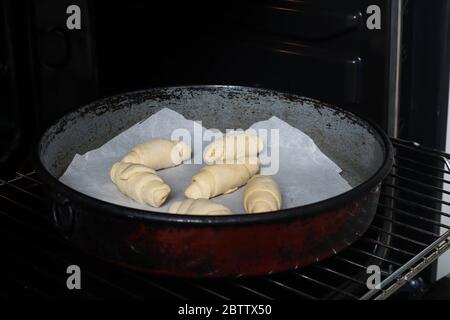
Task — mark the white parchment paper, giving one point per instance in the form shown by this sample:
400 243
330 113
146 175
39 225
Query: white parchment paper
305 175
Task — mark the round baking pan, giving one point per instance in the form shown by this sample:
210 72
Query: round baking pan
217 246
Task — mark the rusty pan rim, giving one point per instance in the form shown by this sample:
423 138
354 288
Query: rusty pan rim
293 213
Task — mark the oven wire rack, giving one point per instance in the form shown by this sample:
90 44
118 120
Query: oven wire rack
408 234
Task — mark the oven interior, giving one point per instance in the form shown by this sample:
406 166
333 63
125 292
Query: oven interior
396 76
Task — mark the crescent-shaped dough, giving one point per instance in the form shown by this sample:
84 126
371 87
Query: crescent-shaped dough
261 194
199 207
232 147
159 153
218 179
140 183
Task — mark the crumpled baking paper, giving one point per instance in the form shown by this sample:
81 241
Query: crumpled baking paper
305 175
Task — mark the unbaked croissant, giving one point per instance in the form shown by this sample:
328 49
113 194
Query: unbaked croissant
261 194
218 179
159 153
140 183
199 207
232 147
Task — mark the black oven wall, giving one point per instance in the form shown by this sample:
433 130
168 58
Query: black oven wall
425 72
64 59
17 95
322 49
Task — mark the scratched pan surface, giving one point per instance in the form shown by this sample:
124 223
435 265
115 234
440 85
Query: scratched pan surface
230 246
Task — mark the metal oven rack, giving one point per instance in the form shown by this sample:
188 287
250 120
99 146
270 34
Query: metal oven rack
406 236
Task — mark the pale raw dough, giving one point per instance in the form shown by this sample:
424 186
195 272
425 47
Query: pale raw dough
218 179
199 207
159 153
261 194
232 147
140 183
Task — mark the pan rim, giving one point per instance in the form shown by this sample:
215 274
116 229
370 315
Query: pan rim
304 211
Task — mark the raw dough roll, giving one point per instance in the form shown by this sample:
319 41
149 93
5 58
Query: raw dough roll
199 207
159 153
140 183
232 147
218 179
261 194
